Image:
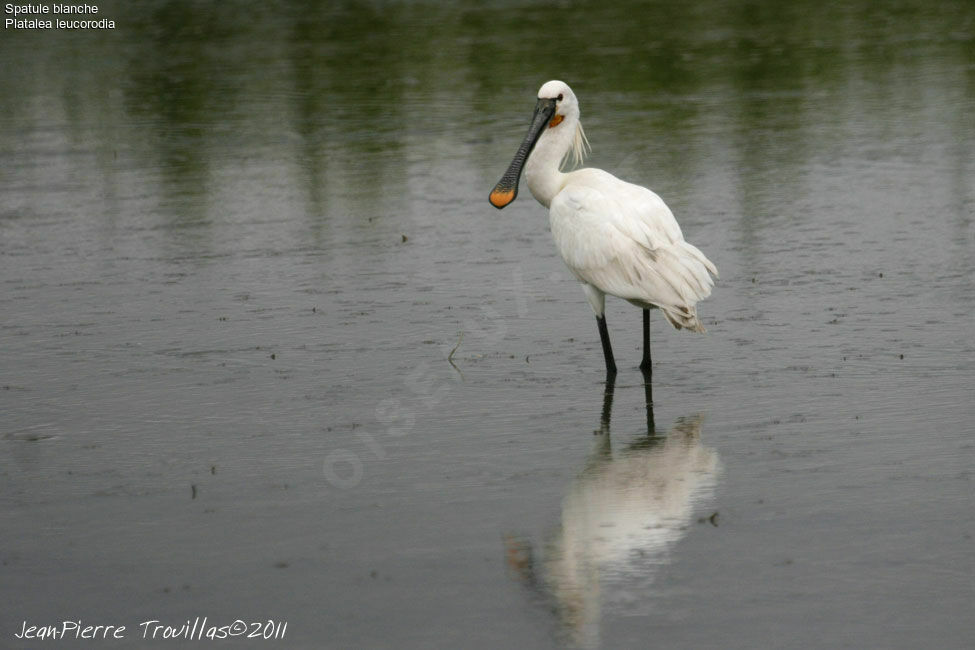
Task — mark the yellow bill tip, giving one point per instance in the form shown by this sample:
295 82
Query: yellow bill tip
500 198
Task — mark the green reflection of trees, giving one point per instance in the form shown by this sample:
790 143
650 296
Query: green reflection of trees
180 86
349 76
348 93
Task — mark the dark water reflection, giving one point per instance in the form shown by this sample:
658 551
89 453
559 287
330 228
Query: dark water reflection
239 238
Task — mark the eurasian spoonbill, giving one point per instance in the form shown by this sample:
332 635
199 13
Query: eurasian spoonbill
617 238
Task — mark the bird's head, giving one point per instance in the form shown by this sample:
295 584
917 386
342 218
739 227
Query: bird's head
556 108
564 99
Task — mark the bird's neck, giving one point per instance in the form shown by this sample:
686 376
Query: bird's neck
542 167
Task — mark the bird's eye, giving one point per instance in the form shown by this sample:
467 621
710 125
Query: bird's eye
559 97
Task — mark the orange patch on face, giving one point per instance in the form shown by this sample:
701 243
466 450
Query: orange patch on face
501 198
556 120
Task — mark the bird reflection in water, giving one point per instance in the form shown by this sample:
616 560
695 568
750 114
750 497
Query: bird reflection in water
621 517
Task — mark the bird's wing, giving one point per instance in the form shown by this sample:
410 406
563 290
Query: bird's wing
636 211
627 243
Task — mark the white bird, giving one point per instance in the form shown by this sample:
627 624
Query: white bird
617 238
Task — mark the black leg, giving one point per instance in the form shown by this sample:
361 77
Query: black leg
645 364
607 403
607 348
648 394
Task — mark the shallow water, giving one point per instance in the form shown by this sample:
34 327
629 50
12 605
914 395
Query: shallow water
238 246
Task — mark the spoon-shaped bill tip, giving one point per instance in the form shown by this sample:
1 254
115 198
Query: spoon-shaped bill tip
501 196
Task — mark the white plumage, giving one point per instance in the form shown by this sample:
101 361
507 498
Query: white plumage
617 238
621 239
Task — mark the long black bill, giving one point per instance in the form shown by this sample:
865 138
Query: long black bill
507 188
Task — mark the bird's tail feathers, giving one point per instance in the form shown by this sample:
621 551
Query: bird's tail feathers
684 318
671 278
687 273
696 253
